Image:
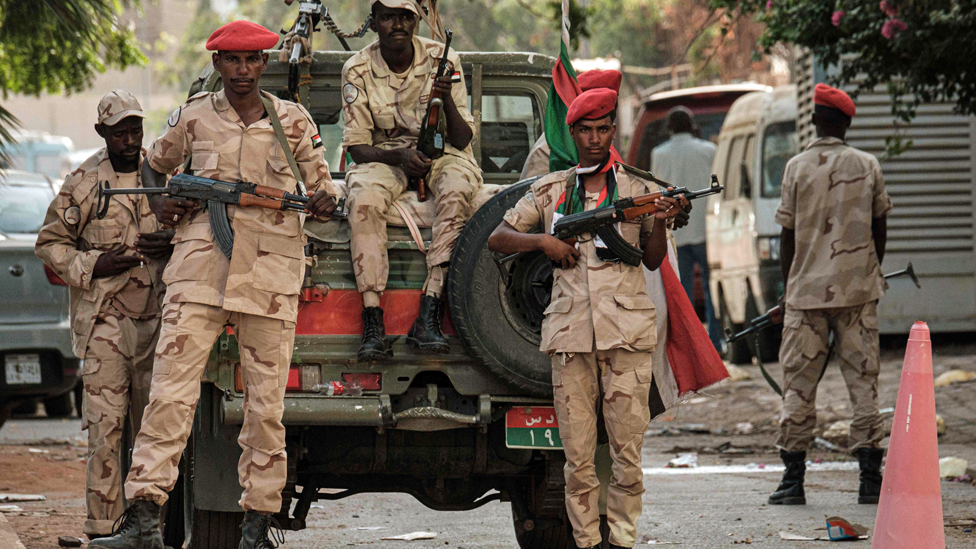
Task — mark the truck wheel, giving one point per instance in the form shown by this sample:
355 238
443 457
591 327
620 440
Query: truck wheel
25 408
79 392
59 406
539 509
738 352
215 529
499 318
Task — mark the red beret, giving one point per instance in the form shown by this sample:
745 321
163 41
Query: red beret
834 98
592 105
596 78
242 36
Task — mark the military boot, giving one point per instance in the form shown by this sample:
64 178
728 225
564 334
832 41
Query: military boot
260 532
790 491
136 528
426 333
870 461
375 345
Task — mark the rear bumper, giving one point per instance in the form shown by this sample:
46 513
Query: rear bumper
60 369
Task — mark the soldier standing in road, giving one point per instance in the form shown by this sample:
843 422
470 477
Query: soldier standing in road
600 326
238 133
833 242
112 266
385 89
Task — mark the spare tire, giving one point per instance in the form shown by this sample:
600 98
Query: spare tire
498 309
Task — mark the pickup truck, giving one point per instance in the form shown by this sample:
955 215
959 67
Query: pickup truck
457 431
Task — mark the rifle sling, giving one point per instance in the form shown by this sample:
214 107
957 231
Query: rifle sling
283 141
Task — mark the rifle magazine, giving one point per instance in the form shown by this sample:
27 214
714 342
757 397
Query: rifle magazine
220 225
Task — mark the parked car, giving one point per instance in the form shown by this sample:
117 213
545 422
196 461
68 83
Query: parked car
40 152
35 337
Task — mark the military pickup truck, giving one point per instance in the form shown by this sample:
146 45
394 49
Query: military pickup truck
457 431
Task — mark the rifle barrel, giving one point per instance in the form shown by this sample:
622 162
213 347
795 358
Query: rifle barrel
140 190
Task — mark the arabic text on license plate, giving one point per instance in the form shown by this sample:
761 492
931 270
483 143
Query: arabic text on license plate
22 369
532 427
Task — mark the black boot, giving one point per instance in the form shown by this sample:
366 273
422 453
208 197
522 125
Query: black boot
137 528
790 491
260 532
870 461
375 345
426 333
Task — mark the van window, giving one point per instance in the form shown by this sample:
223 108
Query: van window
510 124
747 161
732 171
779 145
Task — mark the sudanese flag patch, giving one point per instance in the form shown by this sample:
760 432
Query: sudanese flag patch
316 141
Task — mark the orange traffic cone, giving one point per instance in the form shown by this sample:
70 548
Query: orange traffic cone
910 509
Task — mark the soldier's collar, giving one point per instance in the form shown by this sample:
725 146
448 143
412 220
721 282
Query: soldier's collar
382 70
220 101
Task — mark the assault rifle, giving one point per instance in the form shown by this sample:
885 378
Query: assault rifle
432 134
766 320
217 195
601 221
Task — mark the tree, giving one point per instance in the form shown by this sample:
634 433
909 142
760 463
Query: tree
58 46
915 47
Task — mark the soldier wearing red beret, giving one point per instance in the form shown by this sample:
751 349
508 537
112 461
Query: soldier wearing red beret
833 214
236 134
600 327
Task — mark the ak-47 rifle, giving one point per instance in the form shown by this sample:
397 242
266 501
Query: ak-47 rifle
601 221
432 130
774 316
217 195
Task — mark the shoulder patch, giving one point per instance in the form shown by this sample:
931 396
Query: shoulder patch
316 141
72 215
350 93
174 118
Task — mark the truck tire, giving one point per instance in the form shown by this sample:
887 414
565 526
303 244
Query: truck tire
25 408
539 509
216 529
59 406
500 323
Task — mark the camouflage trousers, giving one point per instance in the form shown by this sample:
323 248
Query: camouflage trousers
116 375
373 187
620 382
188 333
803 355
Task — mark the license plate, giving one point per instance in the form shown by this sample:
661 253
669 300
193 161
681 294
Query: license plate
22 369
532 427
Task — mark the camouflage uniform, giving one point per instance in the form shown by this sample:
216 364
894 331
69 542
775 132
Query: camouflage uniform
256 292
600 331
831 193
538 161
385 110
114 320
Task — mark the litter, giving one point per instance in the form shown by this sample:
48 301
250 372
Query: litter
9 498
317 506
38 451
10 509
744 428
954 376
684 461
737 374
413 536
371 528
952 467
839 529
827 445
839 430
656 542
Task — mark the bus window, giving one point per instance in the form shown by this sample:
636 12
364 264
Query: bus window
779 145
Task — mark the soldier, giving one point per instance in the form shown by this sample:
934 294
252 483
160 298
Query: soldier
238 133
385 88
833 242
600 326
112 266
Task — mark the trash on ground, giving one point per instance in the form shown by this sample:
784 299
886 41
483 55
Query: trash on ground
69 541
698 400
38 451
9 498
840 529
887 410
412 536
744 428
729 448
656 542
838 430
10 509
684 461
827 445
952 467
694 429
737 374
371 528
317 506
954 376
789 536
940 427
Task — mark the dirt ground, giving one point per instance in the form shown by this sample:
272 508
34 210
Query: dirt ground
733 423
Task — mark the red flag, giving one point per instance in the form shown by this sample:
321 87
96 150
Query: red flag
693 359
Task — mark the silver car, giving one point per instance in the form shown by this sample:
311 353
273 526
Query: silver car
35 337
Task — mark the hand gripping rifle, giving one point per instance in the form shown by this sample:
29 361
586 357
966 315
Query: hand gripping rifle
774 316
217 195
601 221
431 140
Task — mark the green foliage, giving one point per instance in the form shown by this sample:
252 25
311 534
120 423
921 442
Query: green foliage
924 62
59 46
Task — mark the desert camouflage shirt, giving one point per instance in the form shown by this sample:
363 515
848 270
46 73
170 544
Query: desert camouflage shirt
596 302
265 273
831 193
385 109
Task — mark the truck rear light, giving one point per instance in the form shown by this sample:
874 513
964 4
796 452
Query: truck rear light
53 278
368 382
301 378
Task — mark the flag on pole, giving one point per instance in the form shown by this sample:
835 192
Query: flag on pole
562 91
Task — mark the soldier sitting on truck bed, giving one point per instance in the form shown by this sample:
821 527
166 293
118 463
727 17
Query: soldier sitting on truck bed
385 89
600 327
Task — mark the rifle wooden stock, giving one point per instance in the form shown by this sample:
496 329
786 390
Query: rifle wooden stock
261 202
